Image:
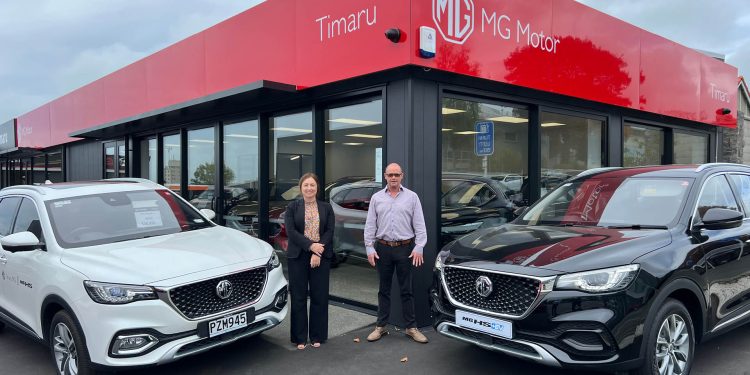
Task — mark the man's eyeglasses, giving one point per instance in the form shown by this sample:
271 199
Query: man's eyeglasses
393 175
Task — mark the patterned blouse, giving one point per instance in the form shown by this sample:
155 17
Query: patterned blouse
312 221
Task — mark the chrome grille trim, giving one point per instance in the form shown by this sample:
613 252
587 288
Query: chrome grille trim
164 295
540 292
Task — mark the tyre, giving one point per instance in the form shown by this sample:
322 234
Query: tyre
2 326
68 346
670 343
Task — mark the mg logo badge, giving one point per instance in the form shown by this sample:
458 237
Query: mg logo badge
224 289
484 286
454 19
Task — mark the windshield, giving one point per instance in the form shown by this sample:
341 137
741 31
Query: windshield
113 217
615 201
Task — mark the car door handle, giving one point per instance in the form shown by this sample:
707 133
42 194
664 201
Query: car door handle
3 259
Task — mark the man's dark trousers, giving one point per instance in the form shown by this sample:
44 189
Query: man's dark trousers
395 259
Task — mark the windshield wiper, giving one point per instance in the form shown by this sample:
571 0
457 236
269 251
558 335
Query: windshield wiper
193 226
637 226
136 238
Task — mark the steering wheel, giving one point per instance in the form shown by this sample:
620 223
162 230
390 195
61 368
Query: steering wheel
76 233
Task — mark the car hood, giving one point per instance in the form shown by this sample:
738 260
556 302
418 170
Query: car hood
188 255
554 248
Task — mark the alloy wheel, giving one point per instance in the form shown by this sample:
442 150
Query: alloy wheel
66 356
673 346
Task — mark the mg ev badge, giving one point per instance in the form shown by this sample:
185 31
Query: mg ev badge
224 289
483 286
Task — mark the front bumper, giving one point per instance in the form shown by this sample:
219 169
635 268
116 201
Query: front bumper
565 329
177 336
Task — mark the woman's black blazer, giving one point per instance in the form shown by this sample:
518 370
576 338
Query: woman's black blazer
294 219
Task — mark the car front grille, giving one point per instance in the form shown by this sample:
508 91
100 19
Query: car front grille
511 295
201 299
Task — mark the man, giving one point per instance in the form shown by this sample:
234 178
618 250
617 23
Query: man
395 236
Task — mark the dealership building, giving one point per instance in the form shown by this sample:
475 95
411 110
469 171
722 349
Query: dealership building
486 104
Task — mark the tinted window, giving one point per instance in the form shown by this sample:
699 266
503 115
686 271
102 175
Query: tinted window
716 194
468 193
356 199
8 208
742 183
28 219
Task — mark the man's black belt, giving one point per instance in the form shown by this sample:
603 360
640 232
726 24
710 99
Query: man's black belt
396 243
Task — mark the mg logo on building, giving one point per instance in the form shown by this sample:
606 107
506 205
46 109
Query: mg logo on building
454 19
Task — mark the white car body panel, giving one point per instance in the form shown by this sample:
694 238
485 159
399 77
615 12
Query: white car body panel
163 262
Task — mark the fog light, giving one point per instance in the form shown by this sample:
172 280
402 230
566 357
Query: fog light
133 344
280 300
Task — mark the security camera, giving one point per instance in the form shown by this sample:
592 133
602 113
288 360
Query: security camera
394 35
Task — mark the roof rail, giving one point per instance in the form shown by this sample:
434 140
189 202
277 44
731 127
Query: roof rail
596 170
705 166
37 189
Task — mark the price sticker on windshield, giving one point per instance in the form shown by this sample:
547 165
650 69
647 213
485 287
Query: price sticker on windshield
148 218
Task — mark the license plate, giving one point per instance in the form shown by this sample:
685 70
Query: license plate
226 324
492 326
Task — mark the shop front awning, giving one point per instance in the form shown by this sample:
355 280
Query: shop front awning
19 152
233 100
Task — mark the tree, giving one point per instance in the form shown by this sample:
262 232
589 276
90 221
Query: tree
205 174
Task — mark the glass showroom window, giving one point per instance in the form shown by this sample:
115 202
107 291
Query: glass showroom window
109 160
291 151
690 148
354 162
642 145
148 159
201 168
114 159
485 161
55 167
569 145
241 164
39 174
172 162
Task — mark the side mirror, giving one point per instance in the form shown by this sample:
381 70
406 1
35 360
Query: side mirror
21 241
208 213
720 218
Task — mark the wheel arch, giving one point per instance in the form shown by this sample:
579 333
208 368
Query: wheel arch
688 293
51 305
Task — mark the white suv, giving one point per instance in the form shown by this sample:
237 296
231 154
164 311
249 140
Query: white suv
123 273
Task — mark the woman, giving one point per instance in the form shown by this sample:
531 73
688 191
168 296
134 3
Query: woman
309 227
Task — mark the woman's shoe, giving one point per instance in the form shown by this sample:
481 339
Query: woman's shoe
301 346
316 345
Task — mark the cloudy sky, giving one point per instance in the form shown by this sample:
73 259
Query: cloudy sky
51 47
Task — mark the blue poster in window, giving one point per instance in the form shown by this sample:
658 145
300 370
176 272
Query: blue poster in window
484 138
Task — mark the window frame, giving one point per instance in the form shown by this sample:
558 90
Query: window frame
693 215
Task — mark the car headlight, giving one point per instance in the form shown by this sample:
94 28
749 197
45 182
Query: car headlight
605 280
118 294
274 261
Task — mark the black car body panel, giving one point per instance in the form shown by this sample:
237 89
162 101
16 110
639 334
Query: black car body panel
706 270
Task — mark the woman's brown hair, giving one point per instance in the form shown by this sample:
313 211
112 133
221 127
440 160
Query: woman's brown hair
305 177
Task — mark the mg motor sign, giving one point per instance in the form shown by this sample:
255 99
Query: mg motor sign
454 19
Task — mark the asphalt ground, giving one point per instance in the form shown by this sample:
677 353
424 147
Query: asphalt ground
271 353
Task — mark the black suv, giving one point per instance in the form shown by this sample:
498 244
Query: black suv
616 269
